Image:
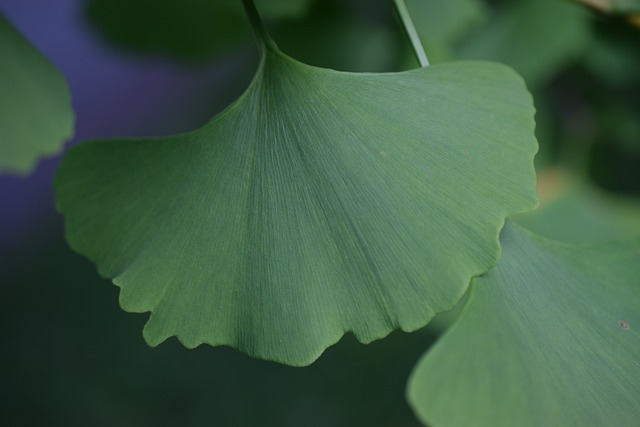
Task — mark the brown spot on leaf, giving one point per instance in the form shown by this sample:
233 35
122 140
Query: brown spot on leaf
624 325
383 153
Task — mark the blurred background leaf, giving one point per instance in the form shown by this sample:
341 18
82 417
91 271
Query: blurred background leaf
352 35
188 29
574 211
538 38
36 116
443 23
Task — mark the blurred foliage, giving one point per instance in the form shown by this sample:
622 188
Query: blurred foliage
614 6
442 24
349 36
36 116
573 211
346 36
188 29
536 37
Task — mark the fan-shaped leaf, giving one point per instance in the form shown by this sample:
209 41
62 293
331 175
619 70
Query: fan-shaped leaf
35 107
320 202
548 338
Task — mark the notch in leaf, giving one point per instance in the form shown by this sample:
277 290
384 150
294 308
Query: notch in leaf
318 203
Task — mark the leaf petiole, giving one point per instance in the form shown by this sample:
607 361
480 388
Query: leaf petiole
264 40
411 32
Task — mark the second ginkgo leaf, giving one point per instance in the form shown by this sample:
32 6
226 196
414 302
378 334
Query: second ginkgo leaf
547 338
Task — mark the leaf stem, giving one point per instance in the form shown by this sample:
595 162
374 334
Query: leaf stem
411 32
264 40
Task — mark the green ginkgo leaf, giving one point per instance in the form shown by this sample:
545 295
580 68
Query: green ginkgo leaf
35 105
550 337
320 202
